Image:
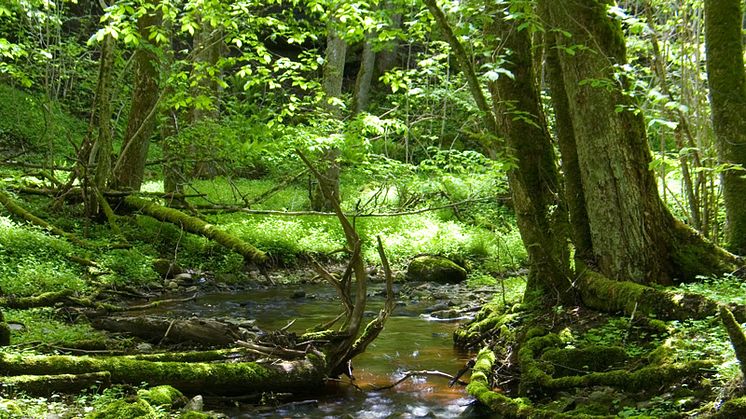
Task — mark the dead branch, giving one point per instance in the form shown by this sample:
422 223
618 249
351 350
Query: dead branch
19 211
233 208
409 374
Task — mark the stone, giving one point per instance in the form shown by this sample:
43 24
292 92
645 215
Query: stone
437 269
196 404
183 277
166 268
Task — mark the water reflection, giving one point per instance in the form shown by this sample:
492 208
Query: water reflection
409 342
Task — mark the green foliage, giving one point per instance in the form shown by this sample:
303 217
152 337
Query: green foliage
31 261
30 122
43 325
127 267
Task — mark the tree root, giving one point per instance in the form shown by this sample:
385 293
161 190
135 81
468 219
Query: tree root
737 338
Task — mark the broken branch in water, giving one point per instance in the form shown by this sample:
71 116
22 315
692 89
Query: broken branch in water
408 374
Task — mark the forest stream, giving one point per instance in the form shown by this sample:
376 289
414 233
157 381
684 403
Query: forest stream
411 341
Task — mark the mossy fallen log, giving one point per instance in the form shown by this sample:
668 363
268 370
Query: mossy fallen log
21 212
46 299
737 338
197 226
46 385
226 379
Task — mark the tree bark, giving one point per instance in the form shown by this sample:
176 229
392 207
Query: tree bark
334 65
130 167
727 79
565 134
633 234
534 183
361 96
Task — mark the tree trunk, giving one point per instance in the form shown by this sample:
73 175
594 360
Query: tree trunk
565 134
130 168
534 183
334 65
208 48
361 97
727 79
633 234
227 378
197 226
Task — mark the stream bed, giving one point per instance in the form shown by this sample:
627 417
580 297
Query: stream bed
410 341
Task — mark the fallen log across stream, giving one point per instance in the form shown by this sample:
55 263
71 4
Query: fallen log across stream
214 378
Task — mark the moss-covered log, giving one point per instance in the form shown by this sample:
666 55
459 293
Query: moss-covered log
191 378
46 385
46 299
197 226
21 212
737 338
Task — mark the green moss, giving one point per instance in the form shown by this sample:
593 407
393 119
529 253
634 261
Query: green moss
572 361
195 415
734 408
122 409
436 269
164 395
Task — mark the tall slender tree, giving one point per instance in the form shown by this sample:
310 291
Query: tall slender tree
727 82
129 170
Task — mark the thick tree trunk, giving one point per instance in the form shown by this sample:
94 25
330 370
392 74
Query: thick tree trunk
573 186
727 78
534 183
633 234
130 167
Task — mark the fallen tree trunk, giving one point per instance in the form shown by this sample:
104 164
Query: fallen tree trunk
209 332
225 379
19 211
47 299
197 226
46 385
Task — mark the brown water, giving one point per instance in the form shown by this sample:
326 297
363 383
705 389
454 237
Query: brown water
409 342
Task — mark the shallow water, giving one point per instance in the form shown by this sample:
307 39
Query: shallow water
409 342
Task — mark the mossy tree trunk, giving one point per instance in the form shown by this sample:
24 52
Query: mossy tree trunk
332 81
534 183
634 236
565 134
727 79
130 167
197 226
